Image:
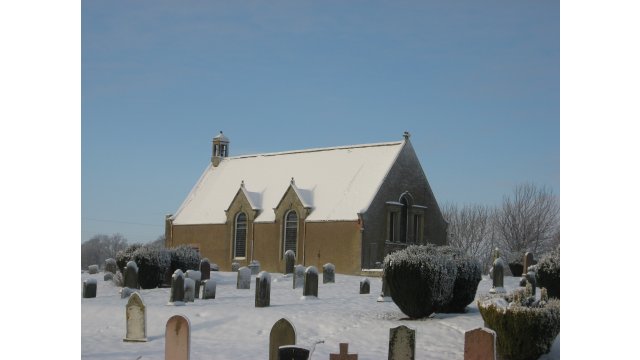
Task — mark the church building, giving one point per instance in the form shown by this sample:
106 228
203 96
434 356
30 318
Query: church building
347 205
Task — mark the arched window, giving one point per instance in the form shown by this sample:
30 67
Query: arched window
290 231
404 219
240 236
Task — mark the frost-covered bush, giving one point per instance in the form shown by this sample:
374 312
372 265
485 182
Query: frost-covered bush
468 276
126 255
153 263
420 279
184 258
548 274
118 279
525 328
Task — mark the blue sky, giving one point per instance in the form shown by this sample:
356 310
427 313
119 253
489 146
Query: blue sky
476 83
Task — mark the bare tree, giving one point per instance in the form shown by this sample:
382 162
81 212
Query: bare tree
471 229
101 247
528 220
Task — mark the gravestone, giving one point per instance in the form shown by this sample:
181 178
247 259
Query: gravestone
89 288
244 278
235 266
310 282
402 343
531 279
328 273
93 269
136 317
189 290
110 265
177 338
255 267
263 289
298 276
108 276
498 277
289 260
209 289
365 287
282 333
344 353
293 352
205 269
215 267
480 344
385 294
196 276
527 261
131 275
176 296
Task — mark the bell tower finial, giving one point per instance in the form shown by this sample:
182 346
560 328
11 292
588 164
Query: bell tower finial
220 149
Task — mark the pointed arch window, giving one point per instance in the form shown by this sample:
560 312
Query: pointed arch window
240 236
290 239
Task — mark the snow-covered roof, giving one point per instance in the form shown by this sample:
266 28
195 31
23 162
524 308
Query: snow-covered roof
336 183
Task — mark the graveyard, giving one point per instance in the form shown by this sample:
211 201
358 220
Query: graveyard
236 325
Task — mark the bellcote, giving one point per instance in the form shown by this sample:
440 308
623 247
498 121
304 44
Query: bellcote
220 149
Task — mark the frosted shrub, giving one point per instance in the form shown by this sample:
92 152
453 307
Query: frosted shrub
468 276
548 274
126 255
420 280
525 328
184 258
153 263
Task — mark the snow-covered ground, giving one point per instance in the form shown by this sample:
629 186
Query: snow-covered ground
230 327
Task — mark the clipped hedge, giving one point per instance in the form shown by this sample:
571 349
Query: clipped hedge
523 332
420 280
548 274
468 276
184 258
126 255
153 263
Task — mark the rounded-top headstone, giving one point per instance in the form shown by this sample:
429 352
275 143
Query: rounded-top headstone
328 273
205 269
289 260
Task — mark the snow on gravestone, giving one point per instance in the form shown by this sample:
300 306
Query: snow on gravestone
205 269
263 289
255 267
344 353
498 277
89 288
289 260
209 289
282 333
196 276
176 296
480 344
310 282
131 275
110 265
328 273
402 343
365 287
244 278
177 338
136 315
189 290
298 276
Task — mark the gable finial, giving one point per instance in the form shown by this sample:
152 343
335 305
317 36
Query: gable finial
242 183
293 182
406 135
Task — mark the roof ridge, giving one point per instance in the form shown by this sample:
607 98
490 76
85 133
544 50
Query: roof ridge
389 143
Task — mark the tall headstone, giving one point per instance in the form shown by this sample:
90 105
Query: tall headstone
235 266
177 338
310 282
110 265
196 276
136 315
480 344
177 288
344 353
402 343
93 269
255 267
328 273
263 289
385 294
298 276
205 269
365 287
89 288
527 261
293 352
131 275
189 290
244 278
282 333
498 277
209 289
289 260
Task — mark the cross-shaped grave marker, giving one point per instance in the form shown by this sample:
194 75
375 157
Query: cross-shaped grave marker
344 353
